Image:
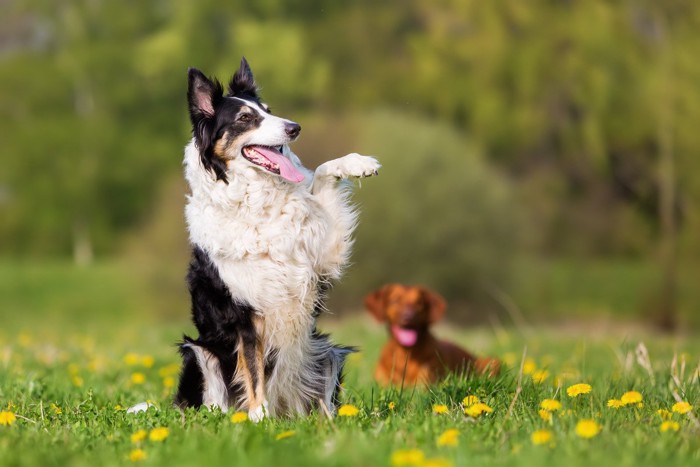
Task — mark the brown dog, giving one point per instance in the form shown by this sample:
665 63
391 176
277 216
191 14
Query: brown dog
413 355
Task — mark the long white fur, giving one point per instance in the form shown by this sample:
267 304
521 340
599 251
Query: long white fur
272 242
214 393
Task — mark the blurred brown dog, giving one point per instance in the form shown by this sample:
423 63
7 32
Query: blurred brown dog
413 355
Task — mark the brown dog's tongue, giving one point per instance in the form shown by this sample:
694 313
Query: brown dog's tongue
406 337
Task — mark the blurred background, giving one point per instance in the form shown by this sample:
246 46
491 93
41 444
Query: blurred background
540 159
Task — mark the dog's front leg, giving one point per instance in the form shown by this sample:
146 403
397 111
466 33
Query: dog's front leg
252 367
333 194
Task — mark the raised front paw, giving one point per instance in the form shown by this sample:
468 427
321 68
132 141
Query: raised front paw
351 166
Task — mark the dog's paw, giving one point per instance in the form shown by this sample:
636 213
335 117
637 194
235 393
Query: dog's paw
351 166
256 414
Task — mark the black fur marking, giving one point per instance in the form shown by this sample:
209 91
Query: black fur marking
220 320
242 83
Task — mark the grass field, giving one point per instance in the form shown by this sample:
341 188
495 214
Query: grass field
65 380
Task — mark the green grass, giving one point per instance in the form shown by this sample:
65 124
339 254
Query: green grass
84 364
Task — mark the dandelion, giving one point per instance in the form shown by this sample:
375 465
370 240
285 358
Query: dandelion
669 425
529 366
118 408
545 415
158 434
239 417
407 457
540 437
56 409
285 435
7 418
587 428
664 414
469 400
477 409
169 370
449 438
540 376
577 389
137 455
550 405
631 397
392 406
348 410
440 409
682 407
510 359
138 378
132 359
168 382
615 403
138 436
437 462
76 380
147 361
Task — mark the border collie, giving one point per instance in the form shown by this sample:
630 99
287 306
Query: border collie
268 237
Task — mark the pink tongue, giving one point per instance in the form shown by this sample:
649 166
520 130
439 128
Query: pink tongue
287 169
406 337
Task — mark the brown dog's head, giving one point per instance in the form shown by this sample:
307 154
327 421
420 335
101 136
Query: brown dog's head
408 310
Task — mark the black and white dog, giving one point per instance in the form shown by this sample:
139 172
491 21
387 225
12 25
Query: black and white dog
268 236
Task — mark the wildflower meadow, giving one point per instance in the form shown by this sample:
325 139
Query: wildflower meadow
562 399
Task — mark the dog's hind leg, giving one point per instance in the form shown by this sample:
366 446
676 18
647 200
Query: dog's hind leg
201 381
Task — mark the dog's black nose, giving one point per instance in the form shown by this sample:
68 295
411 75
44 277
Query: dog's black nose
292 129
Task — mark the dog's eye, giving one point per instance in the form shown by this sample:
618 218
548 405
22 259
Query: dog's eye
245 118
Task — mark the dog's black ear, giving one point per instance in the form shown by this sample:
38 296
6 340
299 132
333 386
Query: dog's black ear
203 96
436 304
243 81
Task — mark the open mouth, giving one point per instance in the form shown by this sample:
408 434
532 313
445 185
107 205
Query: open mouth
271 159
405 336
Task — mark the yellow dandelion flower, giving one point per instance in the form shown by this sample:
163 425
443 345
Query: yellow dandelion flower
391 405
440 408
138 378
24 339
540 437
510 359
587 428
631 397
73 369
664 414
550 405
118 408
681 407
449 438
437 462
285 435
169 382
669 425
158 434
132 359
137 455
147 361
477 409
615 403
76 380
469 400
577 389
7 418
545 415
56 409
348 410
540 376
529 366
239 417
138 436
169 370
407 457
